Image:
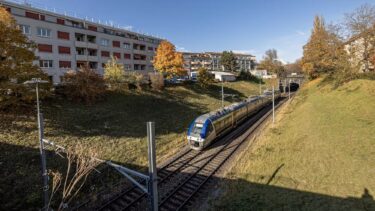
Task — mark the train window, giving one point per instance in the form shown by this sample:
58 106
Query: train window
210 129
197 128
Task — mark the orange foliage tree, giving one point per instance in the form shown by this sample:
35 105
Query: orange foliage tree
167 60
16 65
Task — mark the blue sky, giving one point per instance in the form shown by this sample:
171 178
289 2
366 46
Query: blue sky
249 26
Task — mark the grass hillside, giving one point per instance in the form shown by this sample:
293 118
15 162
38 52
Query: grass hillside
115 126
319 155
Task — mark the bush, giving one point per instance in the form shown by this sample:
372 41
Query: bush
247 76
205 78
135 80
157 81
84 85
114 74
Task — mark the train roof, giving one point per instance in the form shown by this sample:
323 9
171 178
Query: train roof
213 115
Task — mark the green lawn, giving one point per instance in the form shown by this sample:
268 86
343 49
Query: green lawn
320 155
115 126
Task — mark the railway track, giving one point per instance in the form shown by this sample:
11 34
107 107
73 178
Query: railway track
184 176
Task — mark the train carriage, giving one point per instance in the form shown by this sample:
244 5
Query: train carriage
208 127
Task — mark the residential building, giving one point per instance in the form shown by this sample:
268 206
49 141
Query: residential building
357 47
65 42
211 61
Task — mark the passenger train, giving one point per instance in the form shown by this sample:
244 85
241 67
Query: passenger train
208 127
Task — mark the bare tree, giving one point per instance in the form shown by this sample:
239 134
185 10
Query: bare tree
81 162
361 27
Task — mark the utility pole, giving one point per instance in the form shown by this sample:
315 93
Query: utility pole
273 104
222 94
260 86
289 89
37 81
152 186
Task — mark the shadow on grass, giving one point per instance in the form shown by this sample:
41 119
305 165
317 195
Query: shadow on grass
121 114
20 181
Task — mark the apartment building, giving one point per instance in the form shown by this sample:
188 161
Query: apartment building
65 43
357 49
211 61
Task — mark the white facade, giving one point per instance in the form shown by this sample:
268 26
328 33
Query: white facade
211 61
66 43
223 76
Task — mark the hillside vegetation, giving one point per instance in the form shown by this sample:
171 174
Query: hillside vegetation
319 155
116 127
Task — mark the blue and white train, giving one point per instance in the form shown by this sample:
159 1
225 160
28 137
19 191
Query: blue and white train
207 127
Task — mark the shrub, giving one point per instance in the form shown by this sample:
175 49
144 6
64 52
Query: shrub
205 78
247 76
114 74
157 81
84 85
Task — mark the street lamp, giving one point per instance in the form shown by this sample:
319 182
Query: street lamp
38 81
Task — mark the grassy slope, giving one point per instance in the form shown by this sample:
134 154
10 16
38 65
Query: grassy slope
321 154
116 127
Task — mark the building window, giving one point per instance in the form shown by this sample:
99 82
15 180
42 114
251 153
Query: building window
127 66
117 55
116 44
92 28
43 32
150 48
45 48
25 29
32 15
105 54
80 51
60 21
127 45
104 42
127 56
80 37
91 39
65 64
64 50
45 63
63 35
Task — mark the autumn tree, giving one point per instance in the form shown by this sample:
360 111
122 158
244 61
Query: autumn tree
114 74
228 61
295 67
16 65
319 52
205 78
167 60
361 27
271 63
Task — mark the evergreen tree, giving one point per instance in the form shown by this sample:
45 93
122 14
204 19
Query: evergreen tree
228 60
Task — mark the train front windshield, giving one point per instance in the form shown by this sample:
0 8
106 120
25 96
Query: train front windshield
197 129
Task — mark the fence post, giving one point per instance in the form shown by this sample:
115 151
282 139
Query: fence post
152 183
43 162
273 104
